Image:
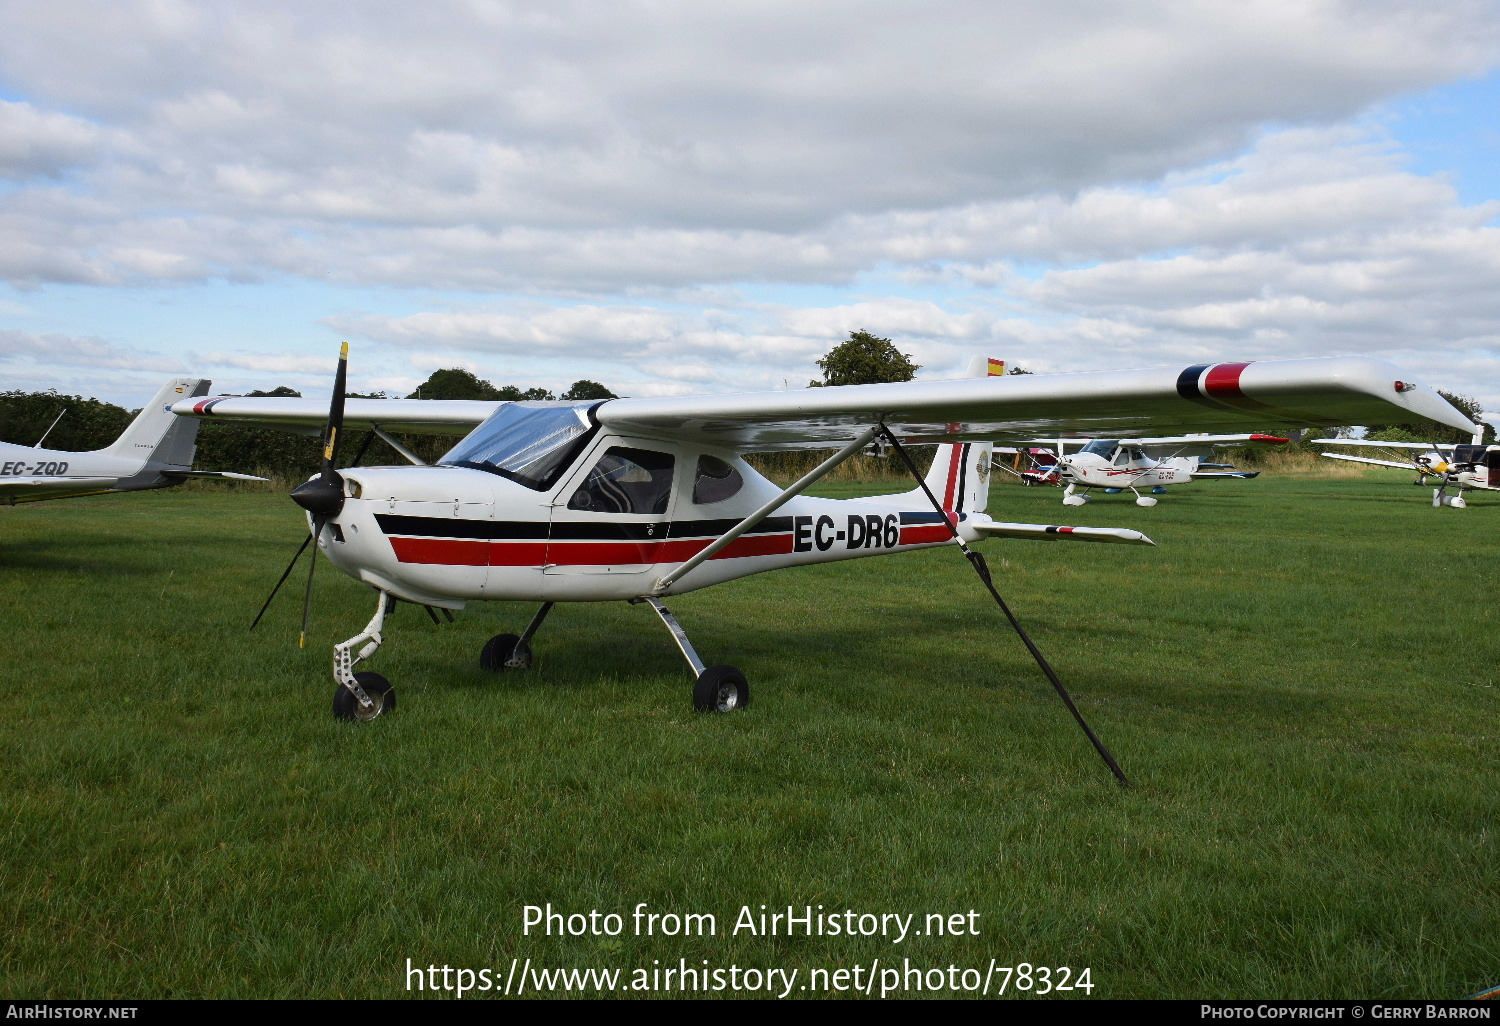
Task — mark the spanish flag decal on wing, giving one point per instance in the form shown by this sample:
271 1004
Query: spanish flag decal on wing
997 367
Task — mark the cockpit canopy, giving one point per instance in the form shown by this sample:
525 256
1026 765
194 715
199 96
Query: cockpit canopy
530 443
1114 450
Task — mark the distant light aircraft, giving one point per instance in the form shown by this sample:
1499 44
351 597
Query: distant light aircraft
1471 467
154 451
642 499
1117 465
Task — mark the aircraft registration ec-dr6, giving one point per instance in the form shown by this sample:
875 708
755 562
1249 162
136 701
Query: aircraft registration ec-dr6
640 499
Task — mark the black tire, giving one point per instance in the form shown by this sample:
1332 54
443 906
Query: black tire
720 689
499 649
347 707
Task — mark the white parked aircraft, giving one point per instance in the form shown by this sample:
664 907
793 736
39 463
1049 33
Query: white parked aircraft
642 499
1117 465
1465 467
154 451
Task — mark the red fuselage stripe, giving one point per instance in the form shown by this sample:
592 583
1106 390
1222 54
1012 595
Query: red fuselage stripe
465 552
925 535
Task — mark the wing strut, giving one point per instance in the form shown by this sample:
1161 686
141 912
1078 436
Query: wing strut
983 570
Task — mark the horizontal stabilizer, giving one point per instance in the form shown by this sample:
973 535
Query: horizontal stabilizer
1429 446
1176 440
1365 459
1043 532
229 475
1244 475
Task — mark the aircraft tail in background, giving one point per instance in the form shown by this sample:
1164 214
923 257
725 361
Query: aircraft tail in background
156 434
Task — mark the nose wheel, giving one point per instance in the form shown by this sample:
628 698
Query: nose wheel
346 706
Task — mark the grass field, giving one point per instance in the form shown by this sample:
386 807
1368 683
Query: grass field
1301 680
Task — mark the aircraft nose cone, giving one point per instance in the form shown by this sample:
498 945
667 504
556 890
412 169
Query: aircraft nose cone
323 496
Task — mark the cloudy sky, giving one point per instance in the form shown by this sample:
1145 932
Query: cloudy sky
675 197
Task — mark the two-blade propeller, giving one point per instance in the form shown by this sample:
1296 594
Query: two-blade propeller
322 496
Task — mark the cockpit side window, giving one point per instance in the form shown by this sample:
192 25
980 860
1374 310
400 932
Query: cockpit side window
716 481
626 481
529 443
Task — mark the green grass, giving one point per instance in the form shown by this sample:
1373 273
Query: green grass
1301 681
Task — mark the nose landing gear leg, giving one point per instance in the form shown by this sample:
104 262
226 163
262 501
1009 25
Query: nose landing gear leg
1071 498
362 696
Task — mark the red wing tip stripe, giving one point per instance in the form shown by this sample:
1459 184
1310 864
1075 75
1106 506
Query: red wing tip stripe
1223 380
206 406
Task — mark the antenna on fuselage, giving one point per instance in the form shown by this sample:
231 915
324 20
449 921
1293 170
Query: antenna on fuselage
55 419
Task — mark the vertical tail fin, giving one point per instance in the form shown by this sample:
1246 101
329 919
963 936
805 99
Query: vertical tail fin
960 472
159 435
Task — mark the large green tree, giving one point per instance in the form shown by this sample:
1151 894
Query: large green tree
456 383
864 359
586 389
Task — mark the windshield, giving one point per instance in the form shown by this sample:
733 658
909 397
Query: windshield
531 443
1101 447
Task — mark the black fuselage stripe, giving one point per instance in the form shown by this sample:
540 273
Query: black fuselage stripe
563 530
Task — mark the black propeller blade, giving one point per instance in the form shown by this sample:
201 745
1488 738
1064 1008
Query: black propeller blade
284 575
322 496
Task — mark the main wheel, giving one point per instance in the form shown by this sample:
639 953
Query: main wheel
720 689
347 707
502 649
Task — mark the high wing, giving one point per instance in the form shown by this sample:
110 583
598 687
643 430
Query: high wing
1107 404
1110 404
307 416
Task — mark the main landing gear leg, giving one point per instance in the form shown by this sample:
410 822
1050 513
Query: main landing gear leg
1143 500
362 696
717 688
508 652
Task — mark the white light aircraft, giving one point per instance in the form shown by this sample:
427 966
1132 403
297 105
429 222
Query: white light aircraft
642 499
154 451
1455 465
1117 465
